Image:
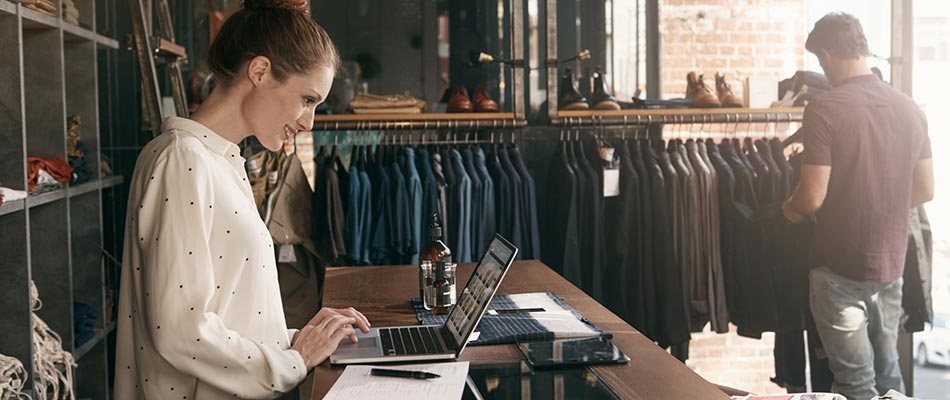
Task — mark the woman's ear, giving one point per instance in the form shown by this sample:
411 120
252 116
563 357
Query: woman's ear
258 68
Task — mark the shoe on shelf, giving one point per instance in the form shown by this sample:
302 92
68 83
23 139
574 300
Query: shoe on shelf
483 102
697 91
602 99
459 101
726 97
570 98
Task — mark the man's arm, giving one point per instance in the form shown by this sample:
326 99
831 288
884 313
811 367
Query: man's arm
923 188
810 193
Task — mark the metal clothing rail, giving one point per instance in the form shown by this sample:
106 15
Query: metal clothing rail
677 117
436 124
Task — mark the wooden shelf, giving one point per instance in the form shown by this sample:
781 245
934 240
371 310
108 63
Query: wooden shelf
112 181
415 121
37 20
70 191
87 346
677 116
106 41
11 206
73 33
83 188
412 117
680 112
45 198
7 8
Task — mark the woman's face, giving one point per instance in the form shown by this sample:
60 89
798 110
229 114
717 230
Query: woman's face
276 110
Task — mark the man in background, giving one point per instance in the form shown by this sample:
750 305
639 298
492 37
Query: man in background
867 162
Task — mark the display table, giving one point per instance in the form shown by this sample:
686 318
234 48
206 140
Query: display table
382 294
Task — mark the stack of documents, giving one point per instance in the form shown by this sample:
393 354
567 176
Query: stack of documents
523 317
357 383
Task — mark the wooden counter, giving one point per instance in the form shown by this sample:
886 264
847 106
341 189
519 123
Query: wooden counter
382 294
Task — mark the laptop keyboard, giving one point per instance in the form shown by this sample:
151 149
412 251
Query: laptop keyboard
409 341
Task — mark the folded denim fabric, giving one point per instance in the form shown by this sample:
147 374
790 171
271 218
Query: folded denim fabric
371 101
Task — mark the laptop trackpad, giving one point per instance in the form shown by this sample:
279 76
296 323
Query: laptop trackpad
371 341
368 345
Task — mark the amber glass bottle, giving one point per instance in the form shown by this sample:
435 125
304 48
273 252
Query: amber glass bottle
437 285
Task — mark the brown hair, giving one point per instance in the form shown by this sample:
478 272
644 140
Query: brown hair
280 30
839 33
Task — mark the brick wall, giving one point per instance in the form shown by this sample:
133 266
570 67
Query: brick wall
740 38
734 361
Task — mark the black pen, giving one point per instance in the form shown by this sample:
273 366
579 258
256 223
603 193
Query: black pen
396 373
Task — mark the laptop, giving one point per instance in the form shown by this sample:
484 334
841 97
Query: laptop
435 342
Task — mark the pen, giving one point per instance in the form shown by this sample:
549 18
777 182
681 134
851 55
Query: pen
403 374
517 310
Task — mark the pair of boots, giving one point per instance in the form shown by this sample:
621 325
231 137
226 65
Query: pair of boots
571 99
460 102
704 97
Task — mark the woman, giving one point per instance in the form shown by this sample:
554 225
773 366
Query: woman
200 314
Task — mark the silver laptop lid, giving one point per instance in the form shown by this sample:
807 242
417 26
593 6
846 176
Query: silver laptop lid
478 292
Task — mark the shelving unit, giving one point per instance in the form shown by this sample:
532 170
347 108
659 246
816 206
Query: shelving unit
54 239
514 118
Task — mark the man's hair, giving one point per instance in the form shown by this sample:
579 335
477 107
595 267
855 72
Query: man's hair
839 33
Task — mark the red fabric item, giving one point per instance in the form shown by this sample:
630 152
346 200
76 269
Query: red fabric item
57 167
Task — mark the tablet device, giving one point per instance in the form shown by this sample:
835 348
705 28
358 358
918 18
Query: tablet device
572 352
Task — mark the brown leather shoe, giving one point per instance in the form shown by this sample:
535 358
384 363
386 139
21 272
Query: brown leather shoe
483 103
726 97
697 91
602 99
569 97
459 101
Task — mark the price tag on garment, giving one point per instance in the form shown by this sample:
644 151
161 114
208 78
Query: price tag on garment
611 182
287 254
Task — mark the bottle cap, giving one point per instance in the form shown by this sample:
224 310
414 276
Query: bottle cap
435 229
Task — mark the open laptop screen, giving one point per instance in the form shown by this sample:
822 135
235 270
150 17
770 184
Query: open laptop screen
479 290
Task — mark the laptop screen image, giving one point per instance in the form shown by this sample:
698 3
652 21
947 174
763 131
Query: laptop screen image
479 290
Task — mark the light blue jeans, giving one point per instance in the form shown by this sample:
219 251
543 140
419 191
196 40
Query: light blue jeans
858 323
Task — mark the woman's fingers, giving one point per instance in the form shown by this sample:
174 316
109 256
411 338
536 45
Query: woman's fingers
361 321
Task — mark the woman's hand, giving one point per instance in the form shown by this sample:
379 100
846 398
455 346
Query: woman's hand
360 320
317 342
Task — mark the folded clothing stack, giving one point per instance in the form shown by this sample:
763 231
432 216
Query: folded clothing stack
70 12
76 150
7 194
84 322
47 174
365 103
42 6
798 90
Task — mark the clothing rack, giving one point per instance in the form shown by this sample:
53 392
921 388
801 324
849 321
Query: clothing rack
418 122
386 137
677 117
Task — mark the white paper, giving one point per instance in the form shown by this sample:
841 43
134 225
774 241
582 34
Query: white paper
474 336
356 383
611 182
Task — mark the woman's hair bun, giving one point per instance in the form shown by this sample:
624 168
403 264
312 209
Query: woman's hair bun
293 5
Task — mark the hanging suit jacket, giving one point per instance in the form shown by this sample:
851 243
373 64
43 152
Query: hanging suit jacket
918 273
300 277
529 207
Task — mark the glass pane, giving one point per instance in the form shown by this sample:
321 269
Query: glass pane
875 17
931 61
